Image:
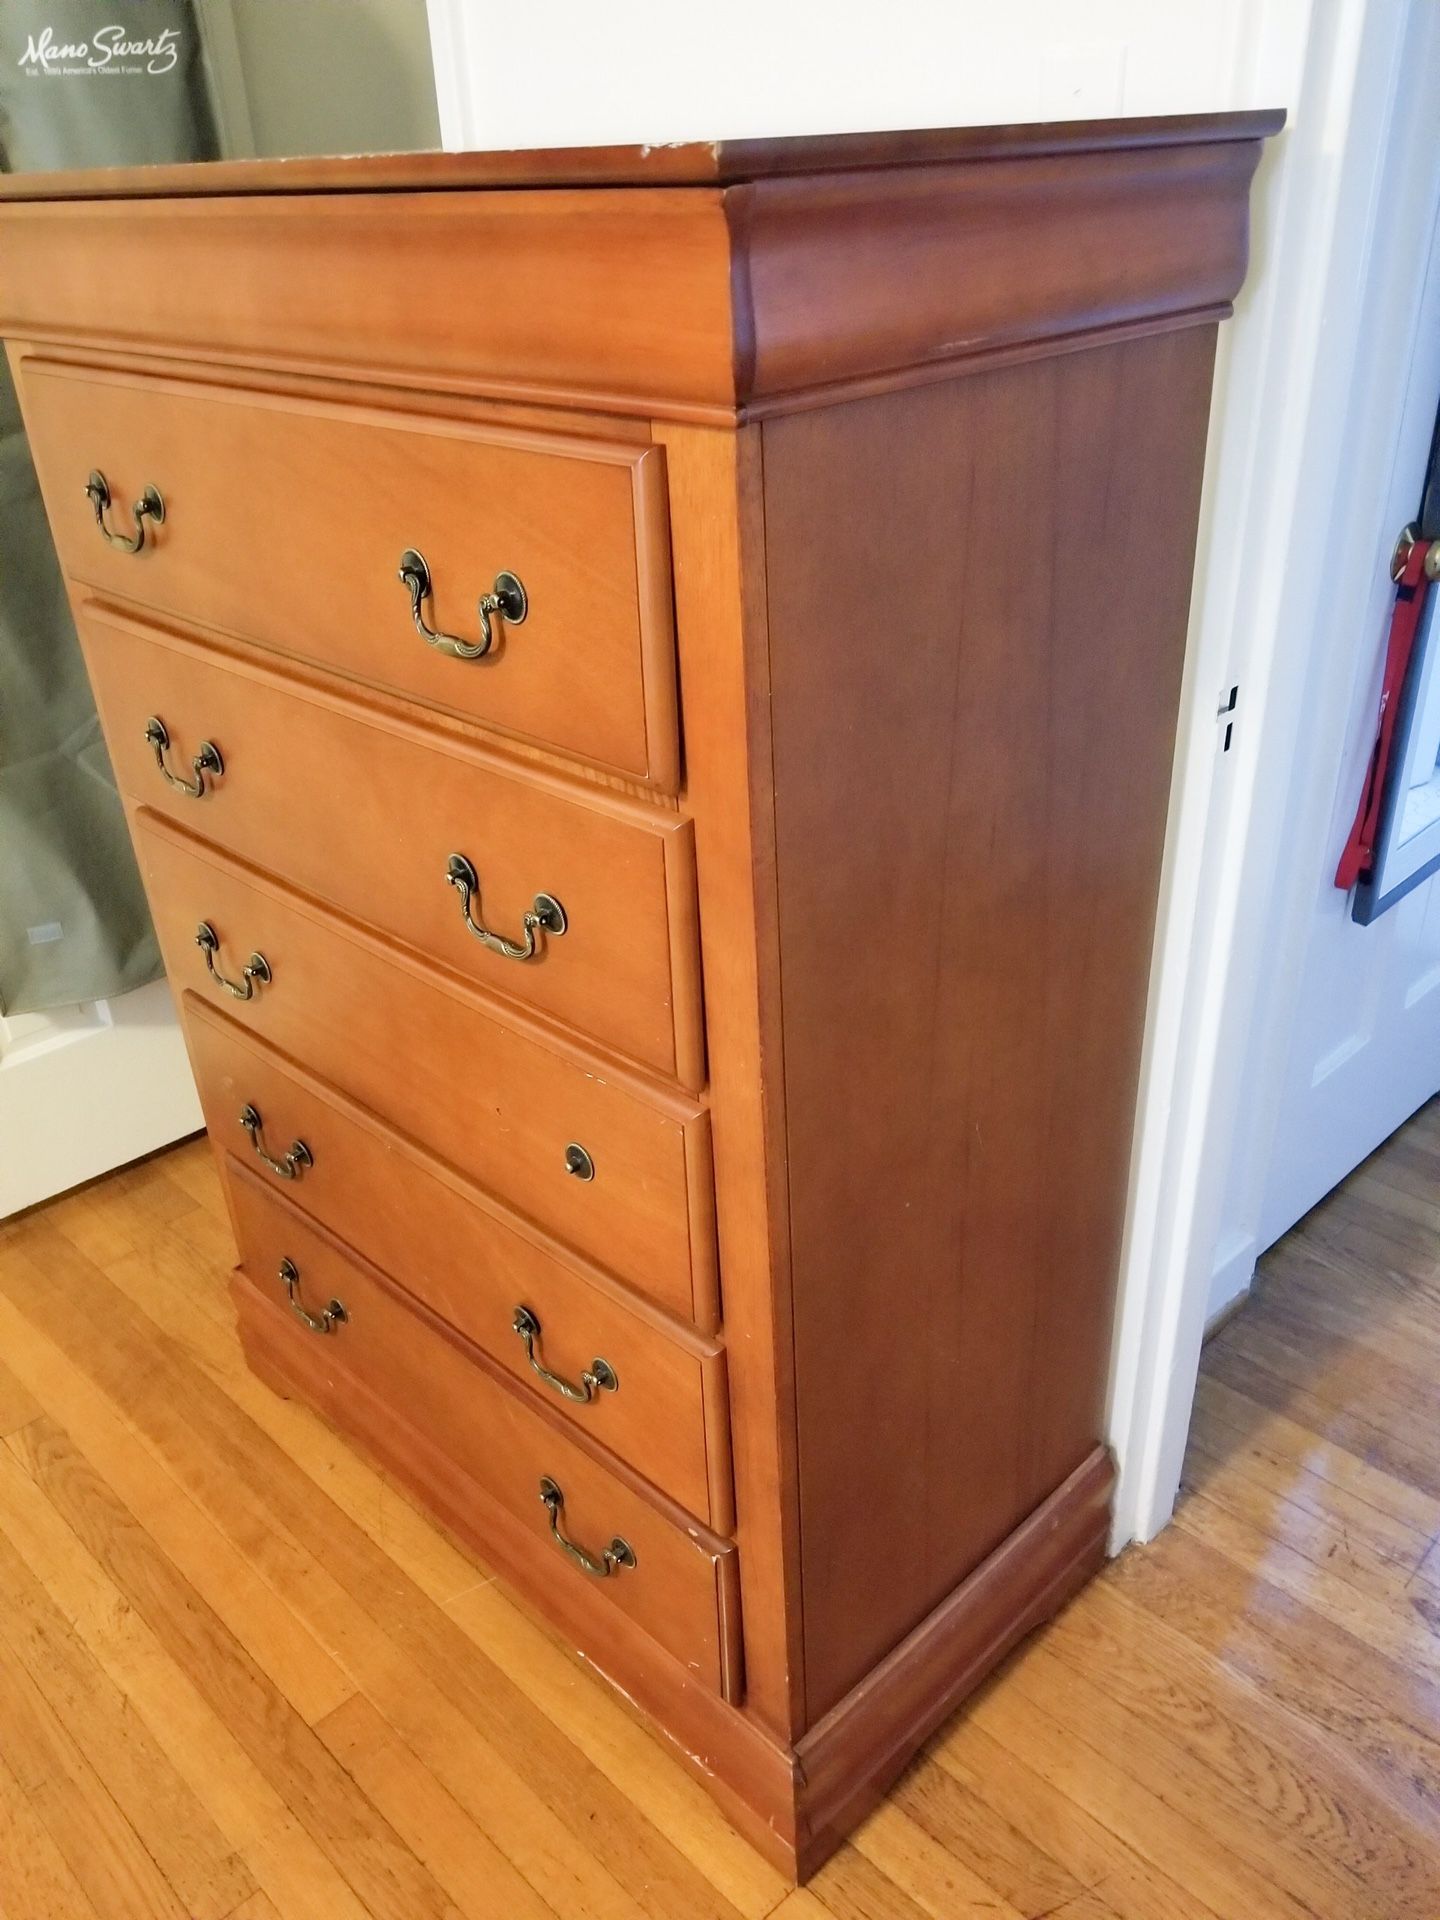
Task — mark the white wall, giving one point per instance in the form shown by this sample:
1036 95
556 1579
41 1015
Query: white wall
575 73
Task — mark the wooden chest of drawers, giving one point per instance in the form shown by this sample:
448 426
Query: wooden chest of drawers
644 683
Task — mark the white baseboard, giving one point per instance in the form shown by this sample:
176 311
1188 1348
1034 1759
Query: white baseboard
1230 1278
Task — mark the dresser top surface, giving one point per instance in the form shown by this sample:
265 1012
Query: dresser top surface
690 164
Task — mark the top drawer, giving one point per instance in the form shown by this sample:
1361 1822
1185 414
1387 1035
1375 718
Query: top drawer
285 521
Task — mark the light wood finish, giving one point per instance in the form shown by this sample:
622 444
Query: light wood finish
338 995
381 804
913 425
1243 1717
435 1235
946 251
279 529
681 1587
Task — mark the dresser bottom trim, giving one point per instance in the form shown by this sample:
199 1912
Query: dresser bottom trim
851 1758
794 1804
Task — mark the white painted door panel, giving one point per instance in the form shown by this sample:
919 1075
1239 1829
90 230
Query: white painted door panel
1364 1046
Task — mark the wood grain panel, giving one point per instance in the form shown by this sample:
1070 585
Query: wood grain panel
286 520
431 1233
521 295
485 1090
970 807
363 811
1006 248
438 1386
1013 255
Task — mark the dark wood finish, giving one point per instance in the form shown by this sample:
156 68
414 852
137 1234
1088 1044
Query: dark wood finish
495 1094
930 414
431 1382
685 163
971 782
258 486
852 1756
379 806
942 262
435 1235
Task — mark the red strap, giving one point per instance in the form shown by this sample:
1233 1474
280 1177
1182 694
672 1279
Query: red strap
1410 597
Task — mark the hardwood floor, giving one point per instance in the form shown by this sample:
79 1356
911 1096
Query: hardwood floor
241 1676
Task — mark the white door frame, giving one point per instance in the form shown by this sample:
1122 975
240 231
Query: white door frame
1334 278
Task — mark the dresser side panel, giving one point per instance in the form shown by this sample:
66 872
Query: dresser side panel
977 602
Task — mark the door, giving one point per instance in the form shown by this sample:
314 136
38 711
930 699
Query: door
1364 1048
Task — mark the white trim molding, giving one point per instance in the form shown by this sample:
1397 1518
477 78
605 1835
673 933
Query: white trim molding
1278 479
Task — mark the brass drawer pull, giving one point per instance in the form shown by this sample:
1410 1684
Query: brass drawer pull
507 598
599 1377
295 1161
327 1319
206 761
148 506
618 1554
546 912
255 973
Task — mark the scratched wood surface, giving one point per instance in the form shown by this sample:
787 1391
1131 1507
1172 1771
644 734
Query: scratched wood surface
241 1676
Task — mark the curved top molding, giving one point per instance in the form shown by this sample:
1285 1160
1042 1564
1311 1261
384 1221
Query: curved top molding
791 273
690 163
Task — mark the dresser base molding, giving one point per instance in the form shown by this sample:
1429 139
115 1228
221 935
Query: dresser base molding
851 1758
796 1804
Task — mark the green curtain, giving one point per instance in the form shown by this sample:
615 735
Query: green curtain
73 920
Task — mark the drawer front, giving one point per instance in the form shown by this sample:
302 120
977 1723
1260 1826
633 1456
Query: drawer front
644 1394
681 1586
365 812
493 1101
285 521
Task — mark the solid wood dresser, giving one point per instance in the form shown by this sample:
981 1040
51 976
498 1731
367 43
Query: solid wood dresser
645 686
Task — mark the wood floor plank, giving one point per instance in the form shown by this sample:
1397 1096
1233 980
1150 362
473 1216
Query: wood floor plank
1301 1449
1336 1543
100 1847
1378 1711
465 1862
193 1855
1220 1452
194 1430
229 1646
1400 1630
938 1882
1059 1832
161 1281
17 1407
36 1883
1140 1789
1241 1749
273 1634
629 1757
369 1856
850 1887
